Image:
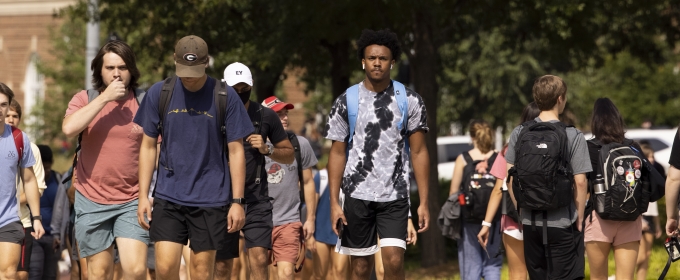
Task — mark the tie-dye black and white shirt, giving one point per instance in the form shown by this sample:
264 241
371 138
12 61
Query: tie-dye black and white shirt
377 167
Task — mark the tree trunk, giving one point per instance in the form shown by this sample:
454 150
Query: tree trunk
425 61
265 81
339 66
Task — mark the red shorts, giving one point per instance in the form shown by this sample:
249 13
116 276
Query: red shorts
286 242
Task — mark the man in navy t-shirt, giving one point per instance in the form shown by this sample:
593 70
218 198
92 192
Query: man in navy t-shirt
197 184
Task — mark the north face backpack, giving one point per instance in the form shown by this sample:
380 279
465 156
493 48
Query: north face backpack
477 188
542 175
623 194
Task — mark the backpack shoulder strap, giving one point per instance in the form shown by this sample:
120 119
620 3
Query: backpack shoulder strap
220 95
402 102
18 142
298 155
529 123
468 158
298 158
139 95
257 123
92 94
352 95
164 102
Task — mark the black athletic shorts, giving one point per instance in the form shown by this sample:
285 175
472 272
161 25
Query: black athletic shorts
565 253
26 249
204 226
368 219
257 231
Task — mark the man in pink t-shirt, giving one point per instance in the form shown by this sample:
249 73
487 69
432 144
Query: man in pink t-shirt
106 174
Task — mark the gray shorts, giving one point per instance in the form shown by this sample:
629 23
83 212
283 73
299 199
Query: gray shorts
98 225
12 233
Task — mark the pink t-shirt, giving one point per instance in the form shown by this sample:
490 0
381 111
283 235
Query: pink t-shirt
499 168
108 166
500 171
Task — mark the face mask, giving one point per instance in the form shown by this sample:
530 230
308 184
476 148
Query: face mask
245 96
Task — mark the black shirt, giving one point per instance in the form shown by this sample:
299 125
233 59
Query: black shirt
675 152
271 128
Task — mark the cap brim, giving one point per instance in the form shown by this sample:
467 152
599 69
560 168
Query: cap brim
233 81
185 71
280 106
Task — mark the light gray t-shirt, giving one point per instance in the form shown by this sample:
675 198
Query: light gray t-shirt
580 164
283 184
377 167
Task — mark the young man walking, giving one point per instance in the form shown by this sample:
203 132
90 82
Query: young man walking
16 161
106 171
559 254
257 230
201 170
284 186
372 163
13 118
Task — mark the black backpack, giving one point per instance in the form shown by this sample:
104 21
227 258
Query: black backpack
477 188
542 175
625 181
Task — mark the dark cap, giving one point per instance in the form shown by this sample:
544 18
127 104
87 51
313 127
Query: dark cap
46 153
191 56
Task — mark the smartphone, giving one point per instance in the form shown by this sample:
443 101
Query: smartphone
339 226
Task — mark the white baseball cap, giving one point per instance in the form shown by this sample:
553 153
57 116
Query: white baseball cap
238 73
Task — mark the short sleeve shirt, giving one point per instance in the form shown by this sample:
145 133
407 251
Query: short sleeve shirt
675 151
272 129
108 164
9 168
580 164
284 184
377 167
193 169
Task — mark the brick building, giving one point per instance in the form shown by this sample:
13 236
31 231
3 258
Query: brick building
24 38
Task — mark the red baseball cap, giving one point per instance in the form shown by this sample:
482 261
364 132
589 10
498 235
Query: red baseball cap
276 104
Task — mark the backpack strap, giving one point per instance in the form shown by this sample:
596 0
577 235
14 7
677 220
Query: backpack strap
257 124
352 95
468 158
298 158
18 142
164 101
139 95
220 95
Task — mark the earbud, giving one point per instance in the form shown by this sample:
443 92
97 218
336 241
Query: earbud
391 66
363 66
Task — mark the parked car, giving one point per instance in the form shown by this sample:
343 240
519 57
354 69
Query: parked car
661 141
448 149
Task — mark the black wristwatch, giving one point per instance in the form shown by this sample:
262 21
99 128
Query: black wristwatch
239 200
38 217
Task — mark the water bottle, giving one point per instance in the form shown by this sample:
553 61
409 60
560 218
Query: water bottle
599 188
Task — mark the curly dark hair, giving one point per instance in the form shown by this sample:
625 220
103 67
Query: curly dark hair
383 37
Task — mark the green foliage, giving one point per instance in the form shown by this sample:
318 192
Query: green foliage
640 91
67 73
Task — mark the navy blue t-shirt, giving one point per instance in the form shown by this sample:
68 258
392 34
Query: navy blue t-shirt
47 201
324 232
193 169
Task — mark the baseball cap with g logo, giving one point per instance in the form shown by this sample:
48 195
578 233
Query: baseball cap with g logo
191 57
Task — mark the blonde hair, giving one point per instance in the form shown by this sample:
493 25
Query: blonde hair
482 135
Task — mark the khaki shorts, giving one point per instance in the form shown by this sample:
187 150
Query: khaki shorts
286 242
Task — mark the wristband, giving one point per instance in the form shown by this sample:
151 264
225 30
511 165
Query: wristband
486 224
